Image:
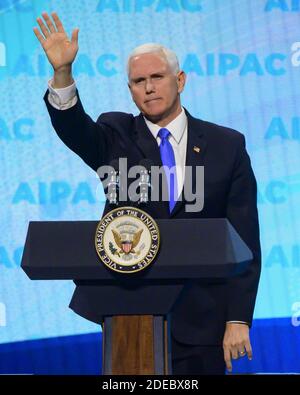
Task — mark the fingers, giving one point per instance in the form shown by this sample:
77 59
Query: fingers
74 38
38 35
49 27
233 353
58 24
227 358
249 351
49 22
236 353
236 343
43 28
245 349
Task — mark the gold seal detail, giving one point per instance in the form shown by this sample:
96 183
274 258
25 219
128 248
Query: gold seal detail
127 239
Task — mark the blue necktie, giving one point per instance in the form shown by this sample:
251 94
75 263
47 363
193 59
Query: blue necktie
168 160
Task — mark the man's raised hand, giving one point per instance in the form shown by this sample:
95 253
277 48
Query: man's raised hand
60 51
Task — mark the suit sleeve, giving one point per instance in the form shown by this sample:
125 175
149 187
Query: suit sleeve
242 213
88 139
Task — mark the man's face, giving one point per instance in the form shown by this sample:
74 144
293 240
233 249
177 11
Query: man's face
154 88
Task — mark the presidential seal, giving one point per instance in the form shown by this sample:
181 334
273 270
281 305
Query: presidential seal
127 239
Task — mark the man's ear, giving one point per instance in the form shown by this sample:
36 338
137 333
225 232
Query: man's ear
129 87
181 79
131 94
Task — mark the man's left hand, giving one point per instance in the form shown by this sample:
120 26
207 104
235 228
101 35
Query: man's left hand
236 343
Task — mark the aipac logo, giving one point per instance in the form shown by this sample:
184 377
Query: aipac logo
2 55
2 314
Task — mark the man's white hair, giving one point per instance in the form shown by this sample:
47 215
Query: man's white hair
169 55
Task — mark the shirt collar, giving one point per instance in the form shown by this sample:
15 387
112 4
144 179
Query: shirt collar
176 127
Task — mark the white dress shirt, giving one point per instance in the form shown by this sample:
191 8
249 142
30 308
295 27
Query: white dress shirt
178 140
62 98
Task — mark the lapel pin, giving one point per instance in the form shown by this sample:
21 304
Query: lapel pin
196 149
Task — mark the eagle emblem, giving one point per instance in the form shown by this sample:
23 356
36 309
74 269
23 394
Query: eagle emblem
127 237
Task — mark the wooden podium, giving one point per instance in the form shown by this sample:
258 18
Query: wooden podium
134 308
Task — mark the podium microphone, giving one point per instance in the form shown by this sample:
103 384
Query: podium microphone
113 183
145 181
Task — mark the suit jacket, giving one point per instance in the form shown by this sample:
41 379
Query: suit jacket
230 191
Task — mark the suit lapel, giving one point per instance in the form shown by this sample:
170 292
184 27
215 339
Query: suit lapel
196 142
146 142
149 148
196 147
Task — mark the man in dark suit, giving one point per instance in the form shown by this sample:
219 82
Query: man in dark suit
211 322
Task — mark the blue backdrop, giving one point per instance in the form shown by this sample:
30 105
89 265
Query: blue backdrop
242 60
